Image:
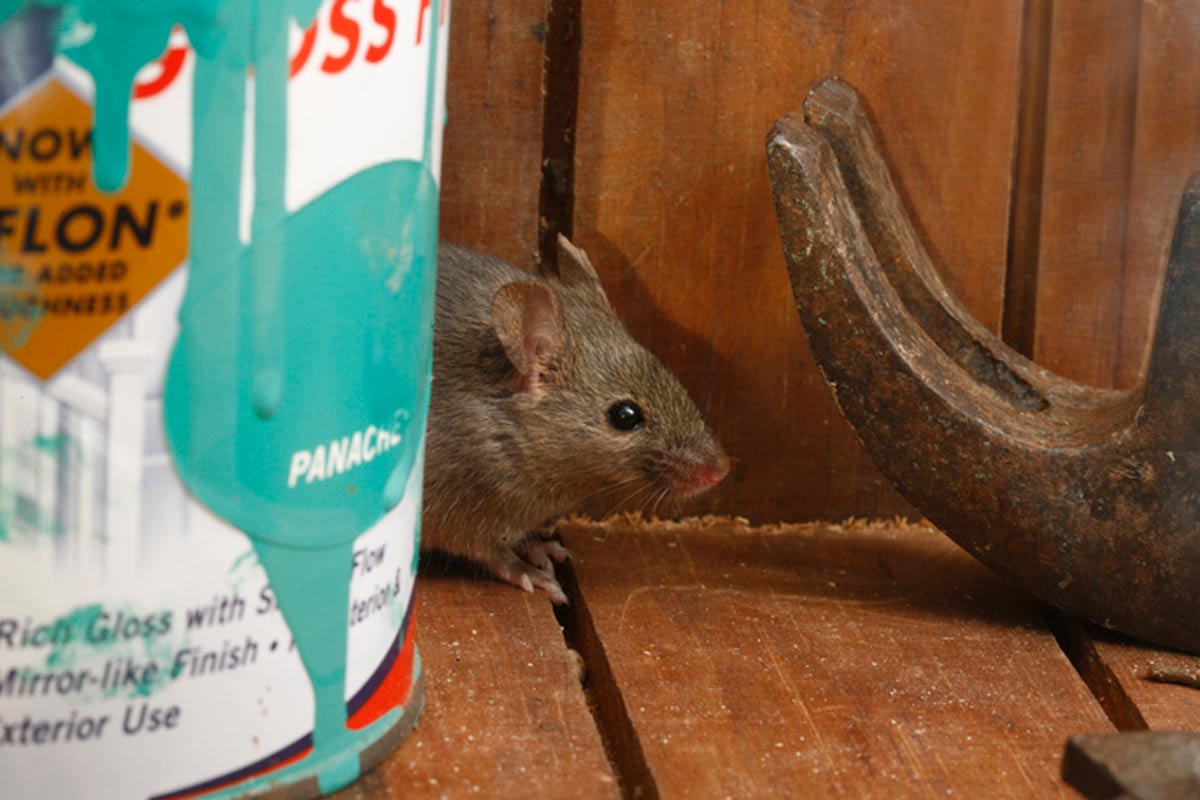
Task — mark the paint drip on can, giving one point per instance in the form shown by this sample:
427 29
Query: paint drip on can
218 228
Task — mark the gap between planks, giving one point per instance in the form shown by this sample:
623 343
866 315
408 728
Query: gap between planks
607 702
556 213
617 732
1019 316
1079 646
560 87
1139 686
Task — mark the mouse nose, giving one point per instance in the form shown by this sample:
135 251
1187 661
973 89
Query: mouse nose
712 471
696 467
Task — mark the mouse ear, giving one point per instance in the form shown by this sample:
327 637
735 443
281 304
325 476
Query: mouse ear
528 321
573 264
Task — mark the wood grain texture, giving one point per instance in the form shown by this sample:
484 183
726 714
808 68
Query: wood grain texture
1090 127
491 165
673 203
1164 706
1166 152
505 715
864 661
845 661
1123 116
1119 669
1020 283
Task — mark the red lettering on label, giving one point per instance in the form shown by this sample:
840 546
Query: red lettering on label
341 25
302 54
421 17
385 18
170 63
347 28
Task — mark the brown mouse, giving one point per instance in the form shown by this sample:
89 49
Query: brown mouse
541 401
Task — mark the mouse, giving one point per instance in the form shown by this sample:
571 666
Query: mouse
541 402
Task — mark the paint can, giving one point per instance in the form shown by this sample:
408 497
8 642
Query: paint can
218 227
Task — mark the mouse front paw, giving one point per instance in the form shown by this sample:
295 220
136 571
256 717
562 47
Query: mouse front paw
529 565
542 553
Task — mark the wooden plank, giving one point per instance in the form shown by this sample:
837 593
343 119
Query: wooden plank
1164 706
505 715
673 203
1166 152
852 661
1119 670
1123 119
1090 130
491 166
1025 217
1123 112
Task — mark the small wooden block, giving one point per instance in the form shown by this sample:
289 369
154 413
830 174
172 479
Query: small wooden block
505 715
857 660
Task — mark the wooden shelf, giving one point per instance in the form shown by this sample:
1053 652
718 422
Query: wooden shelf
723 660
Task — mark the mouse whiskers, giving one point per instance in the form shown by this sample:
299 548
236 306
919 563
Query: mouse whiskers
609 489
632 497
661 497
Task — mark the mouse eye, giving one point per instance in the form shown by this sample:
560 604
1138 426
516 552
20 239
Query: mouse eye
625 415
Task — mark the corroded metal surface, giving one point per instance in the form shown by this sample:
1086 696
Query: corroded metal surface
1089 498
1144 765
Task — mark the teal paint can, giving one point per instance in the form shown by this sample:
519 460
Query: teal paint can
218 232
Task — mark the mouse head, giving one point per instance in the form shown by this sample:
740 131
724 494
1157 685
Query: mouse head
597 408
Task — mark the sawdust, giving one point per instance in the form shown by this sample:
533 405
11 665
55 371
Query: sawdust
738 524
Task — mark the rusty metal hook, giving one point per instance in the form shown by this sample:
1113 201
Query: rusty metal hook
1089 498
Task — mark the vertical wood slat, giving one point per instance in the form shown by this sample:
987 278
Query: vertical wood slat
492 155
673 202
1122 120
683 249
1090 133
1166 152
1020 282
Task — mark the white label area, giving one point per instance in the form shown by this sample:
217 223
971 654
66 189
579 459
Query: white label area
182 675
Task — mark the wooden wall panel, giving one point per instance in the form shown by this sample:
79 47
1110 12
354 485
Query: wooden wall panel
671 196
1166 152
1121 140
1089 146
493 150
672 201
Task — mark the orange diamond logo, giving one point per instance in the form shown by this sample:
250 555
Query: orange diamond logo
73 259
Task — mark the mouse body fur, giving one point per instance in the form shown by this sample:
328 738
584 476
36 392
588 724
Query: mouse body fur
542 401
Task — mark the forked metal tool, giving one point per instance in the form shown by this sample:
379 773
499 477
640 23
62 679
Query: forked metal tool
1088 498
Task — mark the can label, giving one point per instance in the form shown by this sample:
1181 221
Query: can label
68 246
216 328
